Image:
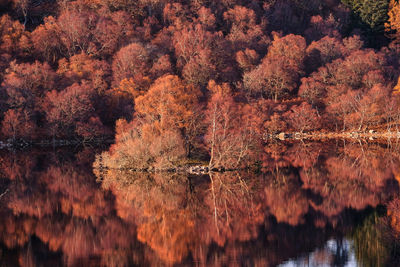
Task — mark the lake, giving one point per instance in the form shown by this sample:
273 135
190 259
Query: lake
307 204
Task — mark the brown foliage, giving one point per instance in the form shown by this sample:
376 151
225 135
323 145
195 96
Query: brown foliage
47 41
280 70
17 123
14 40
233 133
71 110
132 61
161 129
302 118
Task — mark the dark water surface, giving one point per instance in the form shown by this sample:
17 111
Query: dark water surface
310 204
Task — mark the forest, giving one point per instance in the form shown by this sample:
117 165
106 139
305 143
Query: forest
170 80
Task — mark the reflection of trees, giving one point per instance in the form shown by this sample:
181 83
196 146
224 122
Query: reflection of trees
16 165
58 201
327 181
303 198
357 177
298 155
157 205
232 208
372 248
285 198
175 219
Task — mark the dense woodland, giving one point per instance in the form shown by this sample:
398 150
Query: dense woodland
173 79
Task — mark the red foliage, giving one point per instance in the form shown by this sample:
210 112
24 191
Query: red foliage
280 70
208 52
302 118
132 61
113 56
72 110
233 134
47 41
17 123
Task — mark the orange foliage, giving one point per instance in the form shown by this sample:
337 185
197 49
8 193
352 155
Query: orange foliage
393 23
155 138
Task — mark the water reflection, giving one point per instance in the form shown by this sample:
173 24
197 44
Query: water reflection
309 205
333 253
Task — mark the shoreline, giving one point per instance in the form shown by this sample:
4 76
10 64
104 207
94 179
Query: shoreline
371 135
314 136
23 144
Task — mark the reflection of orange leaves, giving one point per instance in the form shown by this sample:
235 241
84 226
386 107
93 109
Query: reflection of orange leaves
114 234
355 178
78 241
396 173
78 193
36 204
303 155
14 234
393 211
16 166
50 232
169 234
232 210
286 201
155 204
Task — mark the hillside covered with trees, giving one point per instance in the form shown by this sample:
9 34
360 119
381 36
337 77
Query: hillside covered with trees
172 80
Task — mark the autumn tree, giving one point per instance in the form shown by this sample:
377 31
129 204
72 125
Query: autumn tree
233 129
70 111
202 55
302 118
23 6
323 51
47 41
244 32
170 103
161 128
206 18
81 67
132 61
338 86
18 123
175 14
369 107
14 40
120 100
247 59
392 25
75 30
280 69
98 33
25 86
144 146
112 31
323 27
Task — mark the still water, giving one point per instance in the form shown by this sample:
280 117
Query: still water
309 204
